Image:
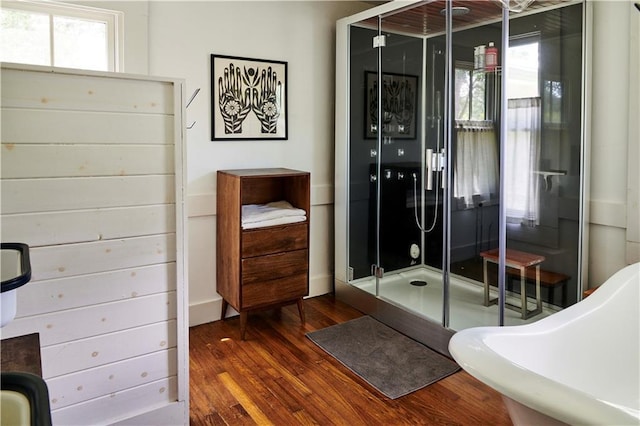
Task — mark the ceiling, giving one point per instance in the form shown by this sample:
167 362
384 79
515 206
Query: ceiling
427 19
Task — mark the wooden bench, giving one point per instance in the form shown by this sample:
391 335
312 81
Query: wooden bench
548 279
519 261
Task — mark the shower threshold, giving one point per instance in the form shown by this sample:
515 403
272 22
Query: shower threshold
416 310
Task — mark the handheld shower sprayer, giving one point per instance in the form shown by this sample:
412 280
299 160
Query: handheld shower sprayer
433 162
415 207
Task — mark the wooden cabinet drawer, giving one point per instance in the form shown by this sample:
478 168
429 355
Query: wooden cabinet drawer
266 268
278 290
274 239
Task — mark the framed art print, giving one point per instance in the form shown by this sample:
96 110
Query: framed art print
248 99
399 103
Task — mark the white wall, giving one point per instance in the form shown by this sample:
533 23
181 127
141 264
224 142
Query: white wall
182 36
613 138
633 159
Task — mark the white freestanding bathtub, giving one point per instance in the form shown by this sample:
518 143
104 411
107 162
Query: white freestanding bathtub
578 366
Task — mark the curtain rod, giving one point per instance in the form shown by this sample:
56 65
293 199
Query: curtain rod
474 125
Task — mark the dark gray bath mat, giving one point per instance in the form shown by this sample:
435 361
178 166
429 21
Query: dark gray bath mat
390 361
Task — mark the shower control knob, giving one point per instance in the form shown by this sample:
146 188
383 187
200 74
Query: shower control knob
414 251
373 178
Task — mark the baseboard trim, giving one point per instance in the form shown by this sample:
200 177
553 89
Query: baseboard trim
176 413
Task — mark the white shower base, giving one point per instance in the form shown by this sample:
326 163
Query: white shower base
466 298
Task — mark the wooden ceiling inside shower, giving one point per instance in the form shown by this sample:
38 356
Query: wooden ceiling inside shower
427 19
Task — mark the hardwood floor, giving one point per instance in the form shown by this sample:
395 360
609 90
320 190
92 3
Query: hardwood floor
278 376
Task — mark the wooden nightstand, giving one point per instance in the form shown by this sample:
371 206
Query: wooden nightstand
263 267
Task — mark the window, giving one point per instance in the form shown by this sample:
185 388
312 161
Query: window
523 81
55 34
470 87
522 187
552 95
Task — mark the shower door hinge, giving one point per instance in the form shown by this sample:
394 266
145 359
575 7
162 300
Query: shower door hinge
379 41
377 271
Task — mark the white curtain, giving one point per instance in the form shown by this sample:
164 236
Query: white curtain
476 164
522 159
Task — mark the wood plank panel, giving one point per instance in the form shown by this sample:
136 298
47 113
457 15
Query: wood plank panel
54 161
119 405
95 382
41 297
85 258
82 92
69 357
40 195
64 326
68 227
89 127
91 177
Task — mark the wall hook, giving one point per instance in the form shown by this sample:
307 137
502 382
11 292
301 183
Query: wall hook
195 93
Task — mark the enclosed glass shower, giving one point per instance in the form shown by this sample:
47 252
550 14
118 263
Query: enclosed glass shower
461 162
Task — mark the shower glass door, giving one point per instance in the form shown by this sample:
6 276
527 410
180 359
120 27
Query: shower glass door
539 145
474 166
404 210
362 161
543 162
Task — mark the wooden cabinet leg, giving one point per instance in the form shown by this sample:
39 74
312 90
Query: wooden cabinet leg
243 324
224 309
301 310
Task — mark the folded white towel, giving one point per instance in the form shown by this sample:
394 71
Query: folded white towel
273 222
252 213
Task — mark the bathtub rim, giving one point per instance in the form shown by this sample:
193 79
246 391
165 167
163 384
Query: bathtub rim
468 347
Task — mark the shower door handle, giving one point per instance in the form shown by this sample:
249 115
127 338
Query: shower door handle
434 162
429 164
440 168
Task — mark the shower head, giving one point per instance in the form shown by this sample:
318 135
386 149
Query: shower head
456 11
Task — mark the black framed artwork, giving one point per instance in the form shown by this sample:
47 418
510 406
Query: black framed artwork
248 99
399 105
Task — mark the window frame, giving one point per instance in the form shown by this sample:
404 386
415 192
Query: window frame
113 19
